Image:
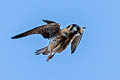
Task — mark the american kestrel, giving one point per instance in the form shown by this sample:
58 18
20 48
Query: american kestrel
59 38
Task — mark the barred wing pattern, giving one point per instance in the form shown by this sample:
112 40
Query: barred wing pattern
47 31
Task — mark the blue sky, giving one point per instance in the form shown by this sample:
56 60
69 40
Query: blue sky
96 58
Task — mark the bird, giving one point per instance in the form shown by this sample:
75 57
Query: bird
58 38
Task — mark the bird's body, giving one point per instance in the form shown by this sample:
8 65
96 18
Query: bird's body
59 39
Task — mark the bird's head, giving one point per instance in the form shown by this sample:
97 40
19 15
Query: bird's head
75 28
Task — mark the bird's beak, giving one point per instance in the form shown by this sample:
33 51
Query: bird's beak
82 29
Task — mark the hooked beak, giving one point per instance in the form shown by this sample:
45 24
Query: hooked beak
84 27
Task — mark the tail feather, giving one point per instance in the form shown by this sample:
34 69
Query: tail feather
44 51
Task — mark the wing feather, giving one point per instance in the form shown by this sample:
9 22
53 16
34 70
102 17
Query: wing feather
47 31
48 21
75 42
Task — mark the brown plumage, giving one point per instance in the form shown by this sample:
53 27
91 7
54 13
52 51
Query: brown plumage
47 31
59 39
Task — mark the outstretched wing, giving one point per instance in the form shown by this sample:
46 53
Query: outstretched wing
47 31
75 41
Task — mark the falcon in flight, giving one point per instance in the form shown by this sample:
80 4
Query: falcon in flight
59 38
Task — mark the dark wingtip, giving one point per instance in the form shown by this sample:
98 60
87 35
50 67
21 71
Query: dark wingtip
72 52
43 20
13 38
48 21
19 36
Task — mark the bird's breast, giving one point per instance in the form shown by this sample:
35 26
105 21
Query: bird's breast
54 42
59 42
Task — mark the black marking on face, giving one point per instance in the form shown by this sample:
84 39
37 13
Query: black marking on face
75 26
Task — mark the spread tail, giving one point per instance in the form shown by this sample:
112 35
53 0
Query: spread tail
44 51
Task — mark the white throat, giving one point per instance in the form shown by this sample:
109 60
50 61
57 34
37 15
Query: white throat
74 29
